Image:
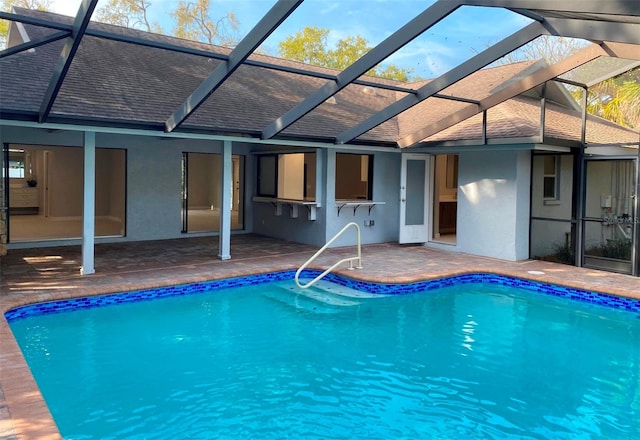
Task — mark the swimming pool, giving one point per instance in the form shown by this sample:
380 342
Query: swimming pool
464 357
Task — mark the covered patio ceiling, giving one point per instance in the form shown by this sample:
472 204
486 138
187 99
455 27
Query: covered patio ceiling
612 27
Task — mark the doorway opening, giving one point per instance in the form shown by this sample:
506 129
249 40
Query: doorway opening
45 189
202 192
445 199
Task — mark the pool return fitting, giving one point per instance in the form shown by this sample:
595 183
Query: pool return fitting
357 258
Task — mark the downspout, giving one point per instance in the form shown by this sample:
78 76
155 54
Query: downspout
484 127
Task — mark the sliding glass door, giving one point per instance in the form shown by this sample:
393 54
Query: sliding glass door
202 192
45 192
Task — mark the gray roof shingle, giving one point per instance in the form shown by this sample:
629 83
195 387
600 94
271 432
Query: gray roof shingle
124 83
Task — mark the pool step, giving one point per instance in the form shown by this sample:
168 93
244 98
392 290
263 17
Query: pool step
323 297
336 289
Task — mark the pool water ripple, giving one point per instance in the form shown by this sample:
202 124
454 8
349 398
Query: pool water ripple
469 361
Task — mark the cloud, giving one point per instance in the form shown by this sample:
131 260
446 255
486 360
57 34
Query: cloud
330 8
427 57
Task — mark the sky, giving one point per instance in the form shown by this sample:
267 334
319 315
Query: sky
464 33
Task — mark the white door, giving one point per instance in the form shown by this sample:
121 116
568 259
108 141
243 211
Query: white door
414 198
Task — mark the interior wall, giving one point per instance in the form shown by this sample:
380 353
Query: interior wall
110 183
348 168
65 182
291 176
118 184
66 189
204 180
445 193
310 167
493 204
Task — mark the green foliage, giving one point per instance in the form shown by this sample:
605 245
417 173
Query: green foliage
618 248
310 46
193 22
617 99
307 46
562 253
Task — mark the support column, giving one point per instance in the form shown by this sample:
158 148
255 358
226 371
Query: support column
635 256
320 176
89 204
580 186
4 159
224 247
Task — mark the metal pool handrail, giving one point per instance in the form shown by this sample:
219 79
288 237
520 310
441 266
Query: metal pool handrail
322 249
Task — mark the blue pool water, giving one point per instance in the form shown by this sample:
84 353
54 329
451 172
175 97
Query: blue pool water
260 361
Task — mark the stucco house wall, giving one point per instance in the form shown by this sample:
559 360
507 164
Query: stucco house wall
153 176
493 204
385 217
386 181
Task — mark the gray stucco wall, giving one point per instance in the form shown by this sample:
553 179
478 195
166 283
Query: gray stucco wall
153 176
493 204
386 188
386 181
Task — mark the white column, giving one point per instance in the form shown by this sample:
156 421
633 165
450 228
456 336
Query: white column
88 214
224 247
321 155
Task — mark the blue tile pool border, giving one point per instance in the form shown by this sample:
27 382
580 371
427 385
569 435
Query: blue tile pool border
66 305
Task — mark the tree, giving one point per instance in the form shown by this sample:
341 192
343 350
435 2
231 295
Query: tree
128 13
193 22
307 46
41 5
549 48
310 46
616 99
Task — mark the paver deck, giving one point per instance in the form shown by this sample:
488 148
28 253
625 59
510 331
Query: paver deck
44 274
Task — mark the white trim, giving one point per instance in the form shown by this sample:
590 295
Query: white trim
554 148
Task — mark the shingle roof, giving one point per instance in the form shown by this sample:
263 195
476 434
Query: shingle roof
125 83
520 118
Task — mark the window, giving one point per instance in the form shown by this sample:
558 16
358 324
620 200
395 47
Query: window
551 177
267 175
287 176
16 164
354 176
